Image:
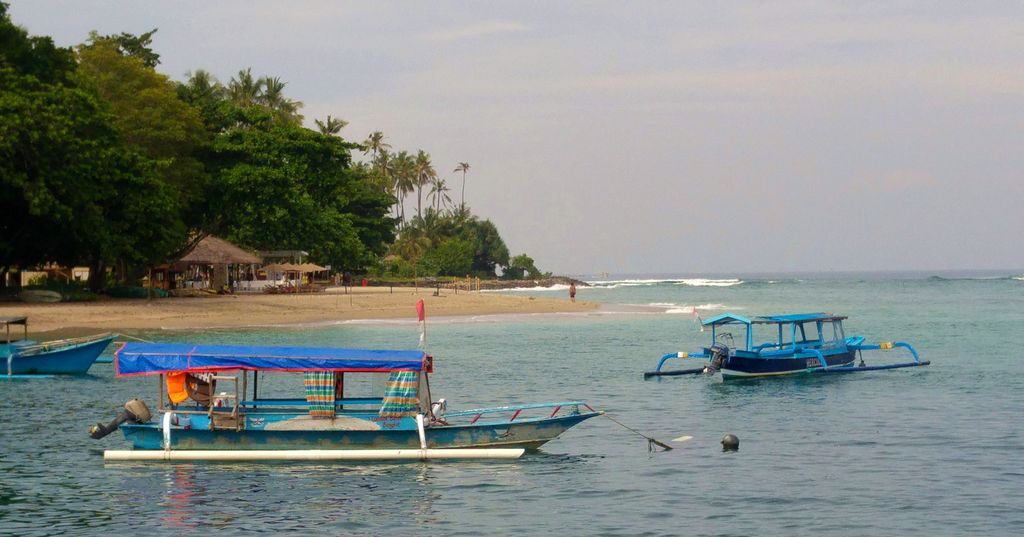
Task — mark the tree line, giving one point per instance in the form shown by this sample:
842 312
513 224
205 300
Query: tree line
106 162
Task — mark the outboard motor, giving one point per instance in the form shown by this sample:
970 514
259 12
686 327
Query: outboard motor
719 355
135 411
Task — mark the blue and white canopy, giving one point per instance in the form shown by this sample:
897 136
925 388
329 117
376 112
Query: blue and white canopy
157 358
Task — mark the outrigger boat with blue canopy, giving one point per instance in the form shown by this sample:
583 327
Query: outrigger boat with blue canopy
199 422
799 343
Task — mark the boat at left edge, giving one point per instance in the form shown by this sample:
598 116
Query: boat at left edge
27 358
210 408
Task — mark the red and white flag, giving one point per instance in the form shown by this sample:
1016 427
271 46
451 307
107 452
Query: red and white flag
421 312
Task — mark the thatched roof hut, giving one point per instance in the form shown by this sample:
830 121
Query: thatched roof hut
214 251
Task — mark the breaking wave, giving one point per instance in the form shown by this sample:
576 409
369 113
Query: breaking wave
693 282
555 287
671 307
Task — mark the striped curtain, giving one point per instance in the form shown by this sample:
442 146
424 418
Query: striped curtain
320 393
401 395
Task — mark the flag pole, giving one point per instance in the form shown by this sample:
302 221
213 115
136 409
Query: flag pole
421 314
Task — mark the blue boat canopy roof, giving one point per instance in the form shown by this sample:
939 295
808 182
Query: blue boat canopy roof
732 318
157 358
727 318
798 318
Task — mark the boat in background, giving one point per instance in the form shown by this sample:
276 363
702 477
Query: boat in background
198 421
34 296
27 358
797 343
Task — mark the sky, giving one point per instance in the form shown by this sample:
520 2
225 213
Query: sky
656 137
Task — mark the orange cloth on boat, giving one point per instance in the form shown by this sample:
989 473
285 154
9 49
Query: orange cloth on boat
176 387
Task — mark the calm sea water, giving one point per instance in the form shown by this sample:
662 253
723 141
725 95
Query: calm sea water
923 451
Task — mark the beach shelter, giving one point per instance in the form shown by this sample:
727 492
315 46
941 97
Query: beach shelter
218 253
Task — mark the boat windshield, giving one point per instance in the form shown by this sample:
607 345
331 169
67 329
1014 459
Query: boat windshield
833 335
769 337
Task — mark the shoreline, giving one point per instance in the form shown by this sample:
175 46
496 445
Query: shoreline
70 319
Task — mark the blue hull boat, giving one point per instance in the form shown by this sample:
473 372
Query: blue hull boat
59 357
795 344
354 430
210 401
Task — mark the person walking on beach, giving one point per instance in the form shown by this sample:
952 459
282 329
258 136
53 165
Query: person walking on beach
572 291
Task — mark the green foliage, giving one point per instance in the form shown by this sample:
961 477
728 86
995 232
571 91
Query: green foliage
70 190
484 249
128 45
278 185
34 56
136 291
451 257
80 296
395 266
489 249
521 267
148 115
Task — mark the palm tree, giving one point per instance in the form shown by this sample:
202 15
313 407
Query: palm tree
332 126
439 192
404 176
383 165
424 174
245 90
462 167
201 86
273 98
375 143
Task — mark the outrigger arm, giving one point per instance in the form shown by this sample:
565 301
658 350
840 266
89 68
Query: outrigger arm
682 355
888 345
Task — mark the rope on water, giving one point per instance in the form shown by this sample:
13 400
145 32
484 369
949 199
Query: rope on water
650 441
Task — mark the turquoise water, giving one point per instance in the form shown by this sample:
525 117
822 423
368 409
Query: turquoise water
923 451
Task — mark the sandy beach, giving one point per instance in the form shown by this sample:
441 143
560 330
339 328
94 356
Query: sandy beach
227 311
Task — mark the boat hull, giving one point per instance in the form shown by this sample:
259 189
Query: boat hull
526 434
61 360
740 367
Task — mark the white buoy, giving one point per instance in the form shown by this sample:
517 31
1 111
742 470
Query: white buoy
686 438
311 454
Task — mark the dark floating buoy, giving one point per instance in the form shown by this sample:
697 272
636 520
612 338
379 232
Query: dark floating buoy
730 442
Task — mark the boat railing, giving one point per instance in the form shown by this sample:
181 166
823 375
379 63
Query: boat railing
516 410
349 401
269 404
29 350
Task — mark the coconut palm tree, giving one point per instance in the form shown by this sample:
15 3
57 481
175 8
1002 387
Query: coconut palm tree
375 143
462 167
245 90
424 175
439 192
383 165
404 176
273 98
331 126
201 86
